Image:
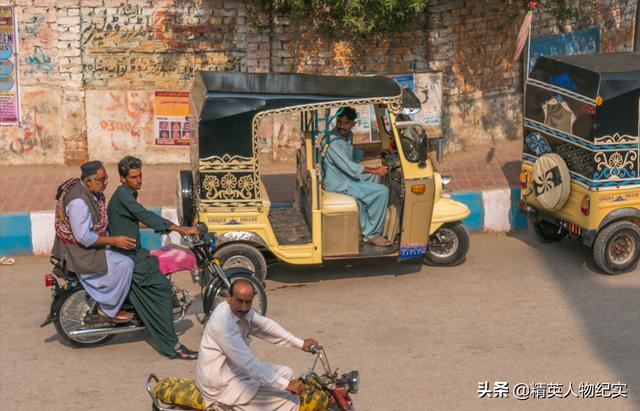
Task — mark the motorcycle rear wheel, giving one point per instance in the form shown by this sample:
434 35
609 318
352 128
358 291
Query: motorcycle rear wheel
73 309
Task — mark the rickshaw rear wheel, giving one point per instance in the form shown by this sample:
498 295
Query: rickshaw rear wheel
617 248
448 246
240 255
545 231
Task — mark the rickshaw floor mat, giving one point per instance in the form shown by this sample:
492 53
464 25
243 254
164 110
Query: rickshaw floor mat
289 226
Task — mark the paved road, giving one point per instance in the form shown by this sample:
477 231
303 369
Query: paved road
423 338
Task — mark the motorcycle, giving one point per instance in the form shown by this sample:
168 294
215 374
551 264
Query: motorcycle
75 314
323 389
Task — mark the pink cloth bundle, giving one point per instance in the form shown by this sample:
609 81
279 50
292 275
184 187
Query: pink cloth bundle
174 258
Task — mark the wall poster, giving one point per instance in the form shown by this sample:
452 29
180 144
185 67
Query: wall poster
172 118
9 96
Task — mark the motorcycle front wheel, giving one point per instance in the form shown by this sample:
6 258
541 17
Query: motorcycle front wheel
217 292
73 311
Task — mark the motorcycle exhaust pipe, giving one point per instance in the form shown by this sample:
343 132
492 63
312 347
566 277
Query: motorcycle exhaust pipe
94 332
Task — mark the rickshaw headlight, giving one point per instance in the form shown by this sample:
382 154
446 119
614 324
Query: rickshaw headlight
445 180
585 207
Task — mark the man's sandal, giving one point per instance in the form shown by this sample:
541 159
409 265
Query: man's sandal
121 317
183 353
379 241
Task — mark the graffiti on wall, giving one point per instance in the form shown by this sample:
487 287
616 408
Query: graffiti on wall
38 61
125 116
39 139
143 43
122 123
36 41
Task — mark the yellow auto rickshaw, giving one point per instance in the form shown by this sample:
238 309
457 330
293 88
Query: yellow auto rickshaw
581 155
224 188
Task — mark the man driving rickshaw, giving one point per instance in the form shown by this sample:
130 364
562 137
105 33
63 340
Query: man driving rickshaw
224 188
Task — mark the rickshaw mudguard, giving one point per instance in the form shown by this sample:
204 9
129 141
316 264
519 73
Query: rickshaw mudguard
446 210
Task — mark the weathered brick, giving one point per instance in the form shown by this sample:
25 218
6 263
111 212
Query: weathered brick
68 21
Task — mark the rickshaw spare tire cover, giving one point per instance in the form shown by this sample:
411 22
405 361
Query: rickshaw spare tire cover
179 391
551 181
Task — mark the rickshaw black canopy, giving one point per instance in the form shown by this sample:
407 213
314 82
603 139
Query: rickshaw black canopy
219 95
609 82
225 104
605 75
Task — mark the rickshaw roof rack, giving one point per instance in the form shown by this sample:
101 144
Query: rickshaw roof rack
604 63
218 95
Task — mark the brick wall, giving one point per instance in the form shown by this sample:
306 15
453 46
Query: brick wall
89 68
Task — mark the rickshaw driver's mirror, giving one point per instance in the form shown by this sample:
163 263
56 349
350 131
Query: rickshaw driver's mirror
423 150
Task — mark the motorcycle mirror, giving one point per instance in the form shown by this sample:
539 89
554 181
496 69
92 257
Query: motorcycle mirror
202 228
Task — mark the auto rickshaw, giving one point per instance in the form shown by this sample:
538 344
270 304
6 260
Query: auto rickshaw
225 191
581 155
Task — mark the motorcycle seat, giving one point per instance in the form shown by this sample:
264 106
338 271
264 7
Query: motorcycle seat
60 269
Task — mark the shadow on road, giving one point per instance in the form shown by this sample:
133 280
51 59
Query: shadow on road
340 269
181 328
602 303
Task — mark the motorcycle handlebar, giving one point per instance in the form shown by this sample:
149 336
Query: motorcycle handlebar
315 349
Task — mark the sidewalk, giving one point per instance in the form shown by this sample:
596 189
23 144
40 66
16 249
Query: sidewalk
482 179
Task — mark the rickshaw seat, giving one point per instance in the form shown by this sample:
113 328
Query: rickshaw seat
337 203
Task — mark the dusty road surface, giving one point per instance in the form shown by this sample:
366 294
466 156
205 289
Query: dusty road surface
516 312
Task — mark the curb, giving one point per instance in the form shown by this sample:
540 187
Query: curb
32 233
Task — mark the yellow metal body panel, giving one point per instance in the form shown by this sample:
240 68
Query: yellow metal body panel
447 210
602 202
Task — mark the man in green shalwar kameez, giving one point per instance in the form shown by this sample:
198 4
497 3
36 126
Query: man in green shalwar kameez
150 291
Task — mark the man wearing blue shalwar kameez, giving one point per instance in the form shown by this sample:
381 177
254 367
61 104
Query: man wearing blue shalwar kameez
343 175
83 242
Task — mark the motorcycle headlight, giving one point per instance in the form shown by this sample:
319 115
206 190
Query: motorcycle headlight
352 379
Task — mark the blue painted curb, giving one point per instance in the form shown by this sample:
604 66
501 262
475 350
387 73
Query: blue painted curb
15 234
17 230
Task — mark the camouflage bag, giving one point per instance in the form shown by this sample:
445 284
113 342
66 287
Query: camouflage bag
313 397
179 391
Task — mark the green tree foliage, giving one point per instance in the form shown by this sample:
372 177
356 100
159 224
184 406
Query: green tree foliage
359 18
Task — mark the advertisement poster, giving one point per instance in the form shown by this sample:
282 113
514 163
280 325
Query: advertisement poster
9 102
172 118
428 89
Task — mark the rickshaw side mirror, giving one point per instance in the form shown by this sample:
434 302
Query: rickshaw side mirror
423 150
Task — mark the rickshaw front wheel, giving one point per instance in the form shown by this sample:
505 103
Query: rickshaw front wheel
617 248
448 246
241 255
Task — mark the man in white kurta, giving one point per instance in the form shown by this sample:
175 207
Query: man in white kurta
229 375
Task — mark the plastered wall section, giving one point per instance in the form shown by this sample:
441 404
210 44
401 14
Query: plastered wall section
89 68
